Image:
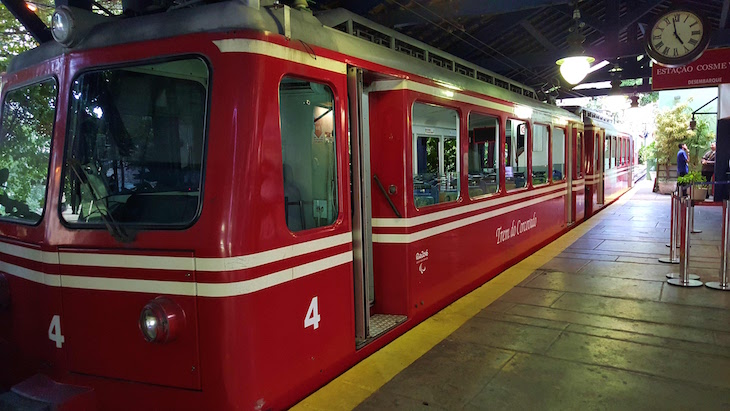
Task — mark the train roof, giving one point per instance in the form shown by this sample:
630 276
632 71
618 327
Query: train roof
601 120
337 30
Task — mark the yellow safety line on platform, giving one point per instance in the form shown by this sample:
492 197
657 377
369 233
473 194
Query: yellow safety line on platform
359 382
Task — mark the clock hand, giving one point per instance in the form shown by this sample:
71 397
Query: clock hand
675 33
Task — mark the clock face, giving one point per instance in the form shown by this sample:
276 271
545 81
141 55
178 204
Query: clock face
677 37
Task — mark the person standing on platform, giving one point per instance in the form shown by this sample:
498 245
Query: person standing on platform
708 165
683 163
682 160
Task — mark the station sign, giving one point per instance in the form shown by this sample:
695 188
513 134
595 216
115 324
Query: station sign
711 69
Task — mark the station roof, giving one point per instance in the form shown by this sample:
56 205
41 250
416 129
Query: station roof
519 39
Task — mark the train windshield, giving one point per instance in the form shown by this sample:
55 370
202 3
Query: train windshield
25 149
135 146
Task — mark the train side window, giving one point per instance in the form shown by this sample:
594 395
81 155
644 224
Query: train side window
558 154
607 153
28 114
515 154
308 154
483 155
579 155
540 139
614 151
435 155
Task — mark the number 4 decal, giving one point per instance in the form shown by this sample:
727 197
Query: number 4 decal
54 331
312 318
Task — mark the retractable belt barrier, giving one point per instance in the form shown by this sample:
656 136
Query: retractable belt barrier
673 243
683 280
723 283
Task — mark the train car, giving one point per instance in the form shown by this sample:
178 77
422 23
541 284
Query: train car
609 159
225 206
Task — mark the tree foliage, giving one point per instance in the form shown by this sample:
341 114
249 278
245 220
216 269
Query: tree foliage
25 147
672 129
15 39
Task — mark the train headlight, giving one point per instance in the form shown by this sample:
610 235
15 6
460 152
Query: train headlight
62 26
4 292
161 321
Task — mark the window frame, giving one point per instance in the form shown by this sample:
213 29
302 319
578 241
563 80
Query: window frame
499 153
580 171
413 170
338 210
528 155
204 148
531 161
5 92
552 154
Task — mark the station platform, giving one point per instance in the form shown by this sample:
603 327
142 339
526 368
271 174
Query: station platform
587 322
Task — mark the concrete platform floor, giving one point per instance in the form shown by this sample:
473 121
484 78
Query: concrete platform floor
589 322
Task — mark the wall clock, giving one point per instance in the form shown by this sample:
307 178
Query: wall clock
677 37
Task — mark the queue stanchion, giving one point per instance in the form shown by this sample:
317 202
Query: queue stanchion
723 283
673 237
692 218
684 279
673 258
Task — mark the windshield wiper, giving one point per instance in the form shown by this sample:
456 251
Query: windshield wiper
115 229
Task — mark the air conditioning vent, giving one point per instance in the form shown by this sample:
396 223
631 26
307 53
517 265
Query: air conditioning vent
357 26
440 61
467 71
341 27
485 77
370 35
410 50
501 83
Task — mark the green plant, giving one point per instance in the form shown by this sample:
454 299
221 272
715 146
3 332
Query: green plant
693 177
648 152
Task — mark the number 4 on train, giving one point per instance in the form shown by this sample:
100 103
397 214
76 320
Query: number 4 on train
312 318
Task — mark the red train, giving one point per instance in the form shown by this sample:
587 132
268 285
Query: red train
226 206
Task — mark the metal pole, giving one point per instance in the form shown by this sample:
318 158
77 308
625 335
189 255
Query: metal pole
692 218
684 216
672 235
723 283
673 225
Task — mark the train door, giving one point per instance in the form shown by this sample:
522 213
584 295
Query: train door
368 326
630 160
570 159
601 148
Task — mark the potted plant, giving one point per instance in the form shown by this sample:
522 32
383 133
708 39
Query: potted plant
697 182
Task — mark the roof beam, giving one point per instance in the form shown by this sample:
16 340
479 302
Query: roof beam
595 24
634 15
723 15
644 88
417 13
537 35
469 47
363 7
30 20
549 58
637 13
613 27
